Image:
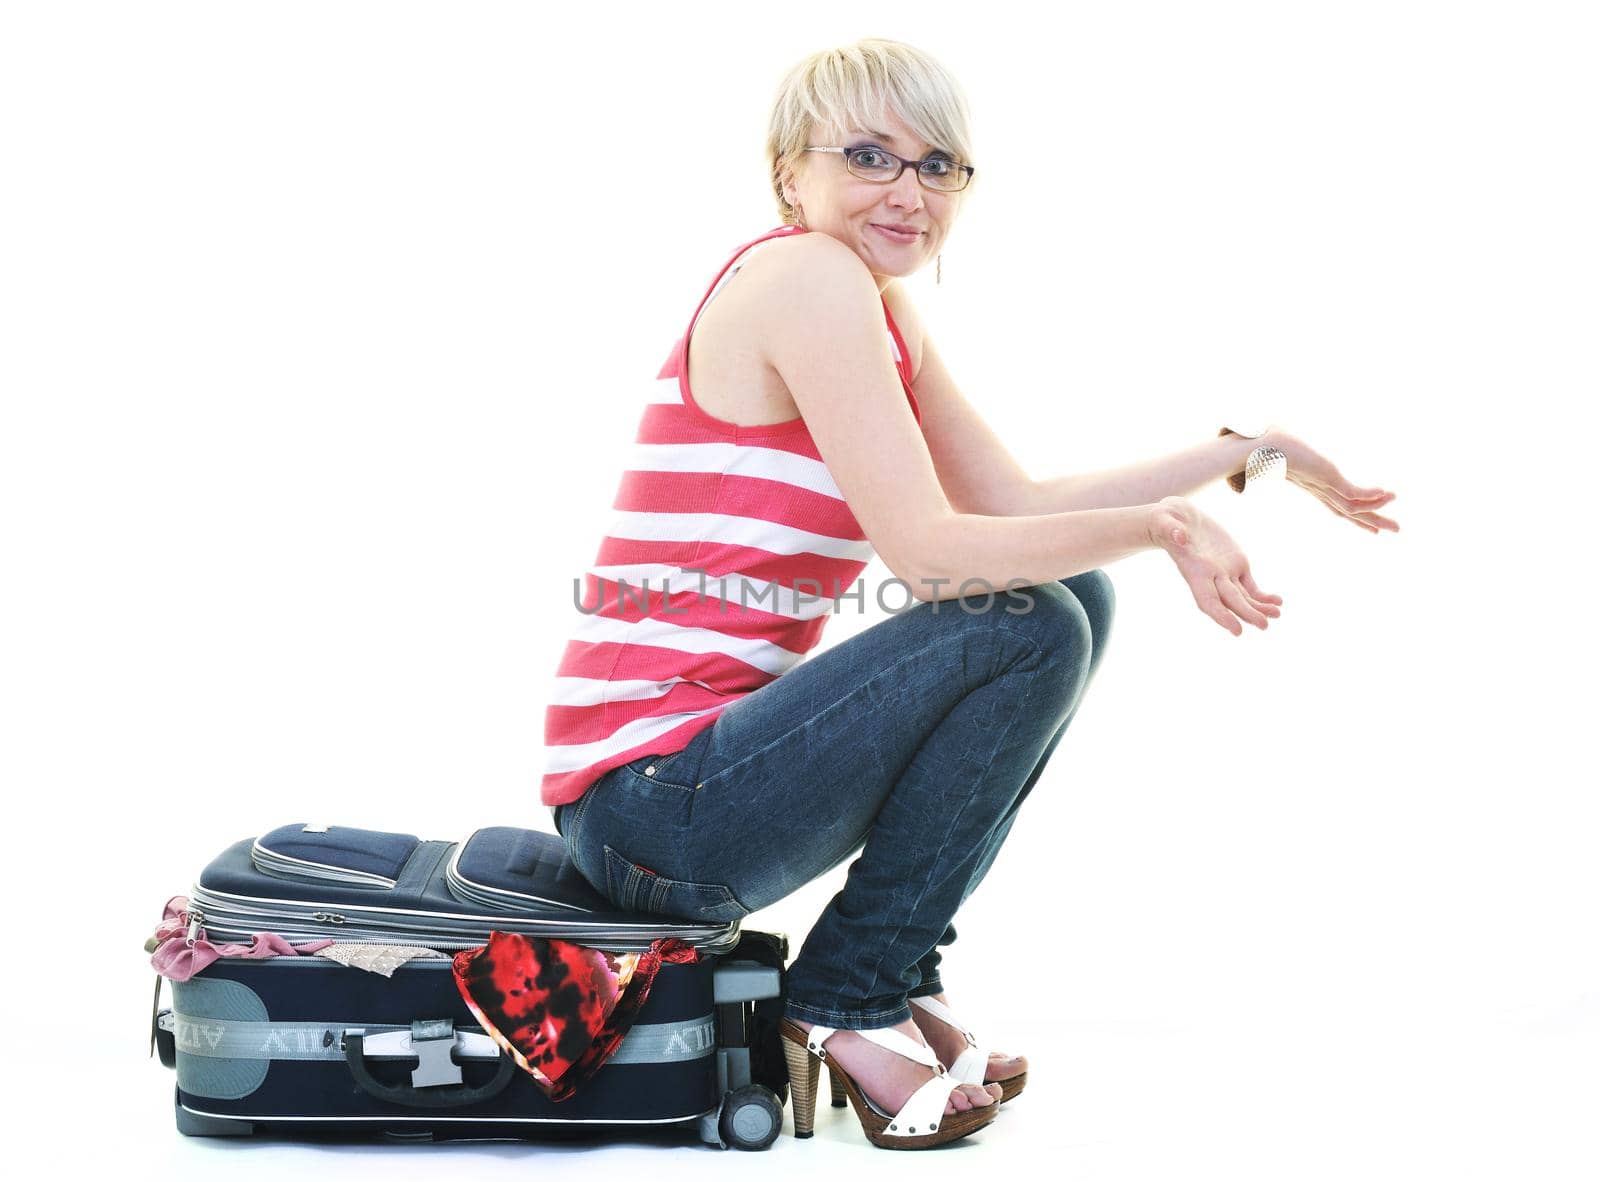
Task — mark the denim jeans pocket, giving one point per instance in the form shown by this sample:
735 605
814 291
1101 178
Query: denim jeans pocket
632 887
672 770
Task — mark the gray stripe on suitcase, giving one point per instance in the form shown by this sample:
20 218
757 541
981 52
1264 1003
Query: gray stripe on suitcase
223 1038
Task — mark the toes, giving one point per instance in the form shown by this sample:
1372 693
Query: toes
1006 1066
968 1096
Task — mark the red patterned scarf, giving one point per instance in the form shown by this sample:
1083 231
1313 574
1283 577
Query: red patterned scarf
559 1009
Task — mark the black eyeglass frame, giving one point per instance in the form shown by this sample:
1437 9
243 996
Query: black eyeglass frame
968 169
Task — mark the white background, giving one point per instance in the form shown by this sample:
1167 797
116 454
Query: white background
325 330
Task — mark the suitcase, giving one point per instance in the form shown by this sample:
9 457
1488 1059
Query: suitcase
305 1046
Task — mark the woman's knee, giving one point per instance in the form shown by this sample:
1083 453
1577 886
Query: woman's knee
1094 591
1047 617
1058 626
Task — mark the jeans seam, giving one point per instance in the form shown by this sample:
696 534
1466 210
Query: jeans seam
1033 650
854 1014
935 643
575 823
877 968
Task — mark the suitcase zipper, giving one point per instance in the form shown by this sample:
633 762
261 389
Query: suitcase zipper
225 918
272 862
216 924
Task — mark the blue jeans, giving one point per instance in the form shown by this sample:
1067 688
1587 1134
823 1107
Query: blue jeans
913 743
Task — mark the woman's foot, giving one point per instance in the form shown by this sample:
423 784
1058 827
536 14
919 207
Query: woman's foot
888 1078
948 1043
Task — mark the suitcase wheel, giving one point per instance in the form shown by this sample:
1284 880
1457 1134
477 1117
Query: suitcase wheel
752 1117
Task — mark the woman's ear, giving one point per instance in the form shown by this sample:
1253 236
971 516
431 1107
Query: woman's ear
786 183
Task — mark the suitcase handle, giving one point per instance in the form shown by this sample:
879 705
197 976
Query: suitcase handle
448 1096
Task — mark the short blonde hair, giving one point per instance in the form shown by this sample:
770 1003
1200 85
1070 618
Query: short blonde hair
849 86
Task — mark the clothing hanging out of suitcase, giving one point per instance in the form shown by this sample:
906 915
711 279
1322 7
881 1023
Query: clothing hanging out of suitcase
330 979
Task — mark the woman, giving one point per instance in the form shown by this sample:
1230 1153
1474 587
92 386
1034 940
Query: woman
696 767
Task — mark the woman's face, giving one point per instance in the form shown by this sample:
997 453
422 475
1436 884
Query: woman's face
836 202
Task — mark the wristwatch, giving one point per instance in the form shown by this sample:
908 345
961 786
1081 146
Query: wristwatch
1266 461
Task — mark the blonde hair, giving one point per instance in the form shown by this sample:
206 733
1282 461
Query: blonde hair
849 86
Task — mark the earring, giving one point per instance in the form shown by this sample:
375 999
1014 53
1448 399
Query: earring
938 268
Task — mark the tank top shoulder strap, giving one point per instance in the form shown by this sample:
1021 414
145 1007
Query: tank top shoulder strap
784 231
788 230
902 361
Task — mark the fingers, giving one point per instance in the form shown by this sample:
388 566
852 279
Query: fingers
1368 520
1257 593
1354 504
1373 494
1266 609
1331 499
1228 603
1212 605
1236 601
1381 523
1358 504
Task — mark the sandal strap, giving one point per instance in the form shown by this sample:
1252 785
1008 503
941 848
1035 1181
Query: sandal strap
924 1111
973 1062
900 1044
942 1012
892 1040
815 1037
971 1066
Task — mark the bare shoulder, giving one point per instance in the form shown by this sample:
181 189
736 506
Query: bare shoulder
814 250
806 266
806 275
900 305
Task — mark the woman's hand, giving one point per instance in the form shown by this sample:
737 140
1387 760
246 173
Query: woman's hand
1317 475
1212 564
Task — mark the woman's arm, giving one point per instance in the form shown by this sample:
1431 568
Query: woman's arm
1176 475
995 552
977 472
981 477
821 327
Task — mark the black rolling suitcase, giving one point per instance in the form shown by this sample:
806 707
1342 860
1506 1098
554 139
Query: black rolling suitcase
303 1045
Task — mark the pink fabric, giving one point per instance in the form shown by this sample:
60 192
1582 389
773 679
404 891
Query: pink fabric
645 613
178 958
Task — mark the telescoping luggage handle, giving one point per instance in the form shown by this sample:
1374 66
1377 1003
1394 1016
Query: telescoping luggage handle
436 1080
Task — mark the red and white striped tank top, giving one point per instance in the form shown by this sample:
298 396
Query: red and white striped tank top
660 649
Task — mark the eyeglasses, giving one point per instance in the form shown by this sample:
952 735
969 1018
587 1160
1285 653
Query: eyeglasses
874 164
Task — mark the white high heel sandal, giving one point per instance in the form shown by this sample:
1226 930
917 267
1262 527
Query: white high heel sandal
921 1122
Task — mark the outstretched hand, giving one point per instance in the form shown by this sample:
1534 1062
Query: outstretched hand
1212 564
1318 476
